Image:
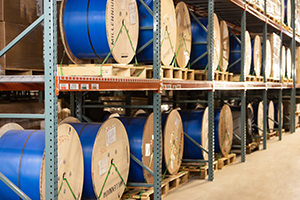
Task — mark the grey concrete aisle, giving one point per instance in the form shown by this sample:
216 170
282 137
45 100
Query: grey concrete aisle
272 174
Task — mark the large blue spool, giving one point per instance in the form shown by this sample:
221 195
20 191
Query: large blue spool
23 162
223 129
102 144
200 45
195 125
90 29
140 135
276 114
235 54
168 22
258 114
236 115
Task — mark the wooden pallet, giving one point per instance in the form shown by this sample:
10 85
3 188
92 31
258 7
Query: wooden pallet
282 131
170 72
250 148
108 70
273 80
259 9
170 183
22 72
202 75
195 168
249 78
271 134
226 161
286 80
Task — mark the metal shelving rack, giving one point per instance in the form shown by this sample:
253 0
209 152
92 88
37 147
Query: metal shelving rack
53 84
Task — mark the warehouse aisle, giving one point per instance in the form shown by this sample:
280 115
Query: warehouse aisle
273 174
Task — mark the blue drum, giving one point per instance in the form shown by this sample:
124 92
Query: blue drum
22 157
195 125
235 54
92 28
106 155
199 53
276 114
168 32
141 140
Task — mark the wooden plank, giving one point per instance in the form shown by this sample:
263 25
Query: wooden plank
250 148
202 75
108 70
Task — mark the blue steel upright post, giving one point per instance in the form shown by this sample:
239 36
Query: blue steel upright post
265 80
210 93
50 61
157 98
243 92
293 51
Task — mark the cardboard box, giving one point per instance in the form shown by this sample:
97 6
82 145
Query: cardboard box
27 54
18 11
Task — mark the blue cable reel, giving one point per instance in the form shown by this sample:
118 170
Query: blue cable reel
22 157
236 115
195 125
141 140
91 29
276 114
258 111
235 54
106 156
199 53
168 32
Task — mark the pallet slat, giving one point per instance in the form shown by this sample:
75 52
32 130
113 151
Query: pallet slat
202 75
169 184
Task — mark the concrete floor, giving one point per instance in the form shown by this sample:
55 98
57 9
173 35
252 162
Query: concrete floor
270 174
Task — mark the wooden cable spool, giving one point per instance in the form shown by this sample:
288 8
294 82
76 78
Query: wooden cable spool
89 29
268 67
173 141
283 62
236 115
256 56
183 31
69 120
276 114
195 125
288 63
141 139
258 110
271 116
223 130
225 46
23 162
275 46
200 45
235 54
168 27
103 145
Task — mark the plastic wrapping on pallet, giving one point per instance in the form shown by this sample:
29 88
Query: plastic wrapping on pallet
252 2
270 8
275 46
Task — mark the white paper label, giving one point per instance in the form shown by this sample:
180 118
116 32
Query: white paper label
132 14
176 122
111 135
102 166
123 4
84 86
171 21
74 86
95 86
64 86
147 147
